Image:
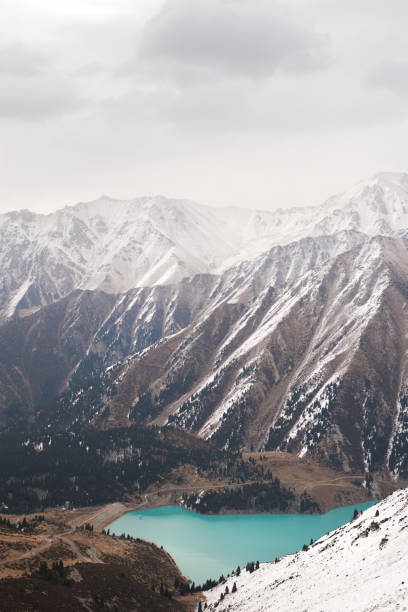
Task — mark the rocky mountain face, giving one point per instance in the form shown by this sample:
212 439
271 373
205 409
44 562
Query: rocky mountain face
300 346
358 567
314 362
39 353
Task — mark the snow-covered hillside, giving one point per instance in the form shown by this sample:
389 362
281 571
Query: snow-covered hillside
116 245
359 567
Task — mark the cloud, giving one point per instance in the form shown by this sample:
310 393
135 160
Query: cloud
32 84
17 59
312 88
231 37
390 75
38 98
278 106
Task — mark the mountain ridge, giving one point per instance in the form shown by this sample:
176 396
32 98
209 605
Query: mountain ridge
116 245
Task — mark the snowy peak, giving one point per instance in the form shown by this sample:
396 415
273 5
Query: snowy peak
376 206
116 245
108 244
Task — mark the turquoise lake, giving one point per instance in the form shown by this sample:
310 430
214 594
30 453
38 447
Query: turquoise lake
206 546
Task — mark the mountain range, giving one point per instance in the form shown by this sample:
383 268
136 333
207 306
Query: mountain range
282 329
116 245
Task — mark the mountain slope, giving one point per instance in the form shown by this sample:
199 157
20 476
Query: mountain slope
301 349
307 362
359 567
39 353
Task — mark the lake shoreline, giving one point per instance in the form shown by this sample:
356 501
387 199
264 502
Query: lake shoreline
114 511
330 489
205 546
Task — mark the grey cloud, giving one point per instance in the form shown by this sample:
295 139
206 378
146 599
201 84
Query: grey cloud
374 9
31 87
34 98
296 104
391 75
92 69
210 82
235 37
18 60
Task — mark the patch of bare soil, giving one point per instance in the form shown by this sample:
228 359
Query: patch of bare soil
326 486
99 571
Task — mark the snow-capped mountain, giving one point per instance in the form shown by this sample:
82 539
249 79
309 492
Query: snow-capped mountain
115 245
376 206
301 347
360 567
107 244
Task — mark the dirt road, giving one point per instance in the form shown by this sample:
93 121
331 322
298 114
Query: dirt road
105 515
29 553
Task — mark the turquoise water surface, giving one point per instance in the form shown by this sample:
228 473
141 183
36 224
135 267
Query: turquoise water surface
206 546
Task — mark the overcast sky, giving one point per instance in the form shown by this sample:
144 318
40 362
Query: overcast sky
258 103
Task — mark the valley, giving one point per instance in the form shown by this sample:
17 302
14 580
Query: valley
169 354
203 306
62 534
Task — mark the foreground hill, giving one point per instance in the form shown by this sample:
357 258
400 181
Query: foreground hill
48 562
360 567
89 588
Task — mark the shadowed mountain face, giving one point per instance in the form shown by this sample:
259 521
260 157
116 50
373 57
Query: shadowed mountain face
40 352
300 348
